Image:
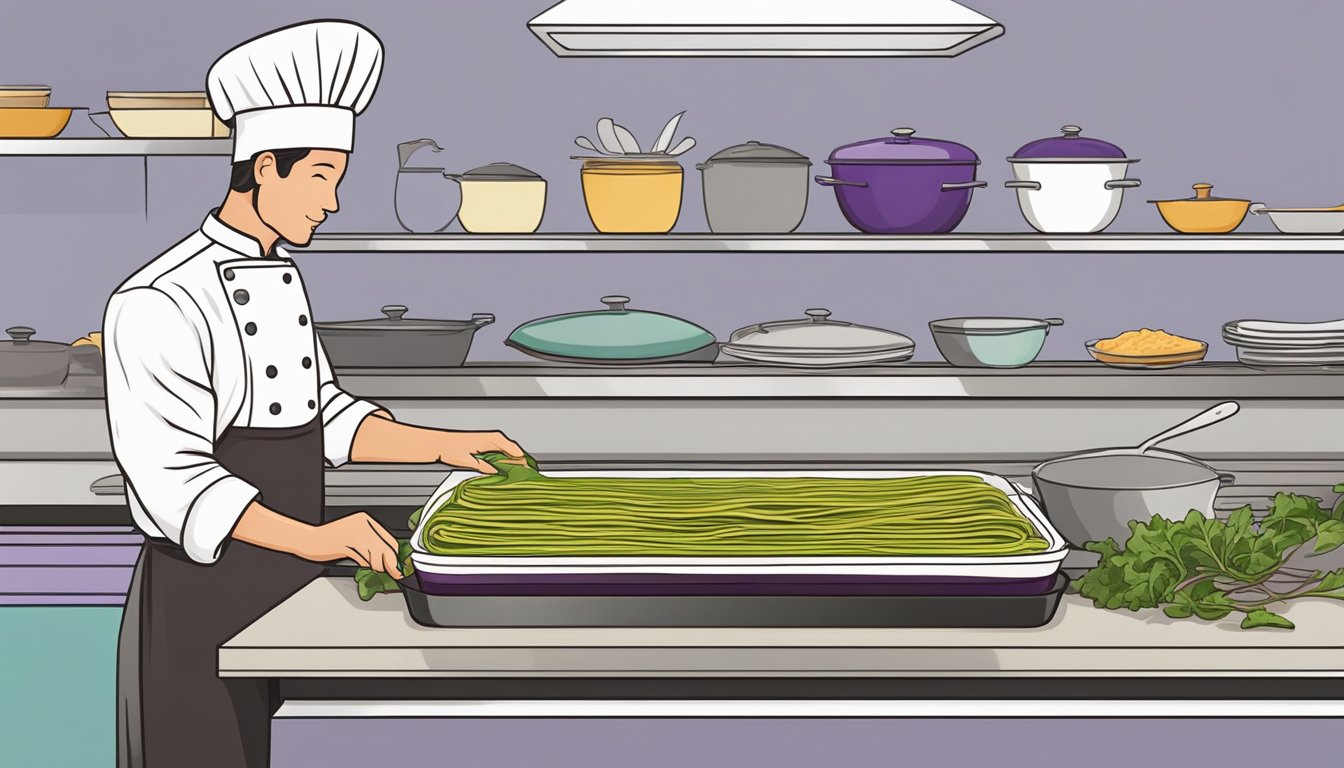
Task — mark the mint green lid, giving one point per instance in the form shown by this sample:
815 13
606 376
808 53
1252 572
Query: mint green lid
615 333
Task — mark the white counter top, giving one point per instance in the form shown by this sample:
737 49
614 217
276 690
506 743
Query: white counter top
325 631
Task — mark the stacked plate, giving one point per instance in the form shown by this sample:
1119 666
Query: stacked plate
1268 343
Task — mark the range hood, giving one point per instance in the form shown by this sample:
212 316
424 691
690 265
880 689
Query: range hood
759 28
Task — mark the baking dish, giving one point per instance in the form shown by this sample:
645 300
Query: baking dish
1036 565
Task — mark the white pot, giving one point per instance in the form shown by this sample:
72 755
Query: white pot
1070 196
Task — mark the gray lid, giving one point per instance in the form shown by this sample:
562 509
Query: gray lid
22 340
497 172
818 335
396 320
755 151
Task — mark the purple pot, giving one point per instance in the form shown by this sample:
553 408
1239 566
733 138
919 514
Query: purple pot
903 185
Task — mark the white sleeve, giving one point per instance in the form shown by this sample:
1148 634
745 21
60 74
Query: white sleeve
161 411
341 413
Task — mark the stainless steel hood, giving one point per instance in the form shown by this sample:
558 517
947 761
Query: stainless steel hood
762 28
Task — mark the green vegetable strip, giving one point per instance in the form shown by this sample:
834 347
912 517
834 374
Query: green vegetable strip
521 512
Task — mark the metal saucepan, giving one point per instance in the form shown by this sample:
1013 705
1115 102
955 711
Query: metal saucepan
903 185
396 341
1093 496
1070 183
28 363
755 188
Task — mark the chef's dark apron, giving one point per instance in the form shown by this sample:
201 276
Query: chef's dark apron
173 710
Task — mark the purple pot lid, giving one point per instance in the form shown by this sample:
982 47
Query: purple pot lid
1071 146
901 147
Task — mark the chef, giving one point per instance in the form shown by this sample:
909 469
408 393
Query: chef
223 409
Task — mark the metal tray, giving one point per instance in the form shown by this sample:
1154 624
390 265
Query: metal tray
1031 566
887 611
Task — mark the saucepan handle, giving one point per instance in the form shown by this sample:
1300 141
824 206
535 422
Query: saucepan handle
1022 184
954 186
827 181
1122 183
1226 479
480 319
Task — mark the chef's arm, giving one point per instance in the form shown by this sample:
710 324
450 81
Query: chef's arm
384 440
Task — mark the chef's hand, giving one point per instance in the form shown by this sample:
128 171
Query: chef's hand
358 537
459 449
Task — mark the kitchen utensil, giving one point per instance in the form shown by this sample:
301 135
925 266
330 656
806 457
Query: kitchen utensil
638 607
606 133
1203 213
980 568
174 123
422 194
396 341
1146 361
1304 221
157 100
664 140
627 139
28 363
586 143
632 195
755 188
33 122
1093 495
25 96
818 341
1276 329
991 342
903 185
614 336
1092 498
1205 418
682 147
1070 183
501 198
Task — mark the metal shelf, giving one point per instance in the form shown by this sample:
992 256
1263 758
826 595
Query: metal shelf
115 147
827 242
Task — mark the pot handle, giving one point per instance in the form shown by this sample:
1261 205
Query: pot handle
1022 184
394 311
1051 322
20 333
954 186
1121 183
480 319
827 181
1258 208
1225 479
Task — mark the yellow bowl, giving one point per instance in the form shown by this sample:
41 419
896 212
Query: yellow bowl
169 123
1203 214
38 96
32 122
632 197
1147 361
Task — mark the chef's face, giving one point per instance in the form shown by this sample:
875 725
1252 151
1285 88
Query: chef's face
295 205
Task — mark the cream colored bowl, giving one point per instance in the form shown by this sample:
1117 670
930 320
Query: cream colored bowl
169 123
157 100
498 206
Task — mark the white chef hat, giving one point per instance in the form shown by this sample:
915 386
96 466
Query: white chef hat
299 87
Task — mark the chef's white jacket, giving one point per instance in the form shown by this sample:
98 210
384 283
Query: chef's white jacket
210 335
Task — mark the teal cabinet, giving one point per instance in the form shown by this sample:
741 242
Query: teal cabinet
58 685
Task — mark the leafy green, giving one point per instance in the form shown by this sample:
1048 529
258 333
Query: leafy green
1212 568
370 582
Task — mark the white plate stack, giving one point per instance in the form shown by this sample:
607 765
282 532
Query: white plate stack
1264 343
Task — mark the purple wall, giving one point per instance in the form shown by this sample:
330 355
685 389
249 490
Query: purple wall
1239 93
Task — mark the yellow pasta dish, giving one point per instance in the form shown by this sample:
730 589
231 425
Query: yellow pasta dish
1146 342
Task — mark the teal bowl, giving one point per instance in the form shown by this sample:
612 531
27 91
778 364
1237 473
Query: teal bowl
991 342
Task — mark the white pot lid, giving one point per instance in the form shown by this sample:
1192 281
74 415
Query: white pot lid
818 336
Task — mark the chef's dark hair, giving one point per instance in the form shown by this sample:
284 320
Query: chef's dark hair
244 180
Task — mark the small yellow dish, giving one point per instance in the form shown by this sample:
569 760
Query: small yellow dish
1146 348
33 122
1203 214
